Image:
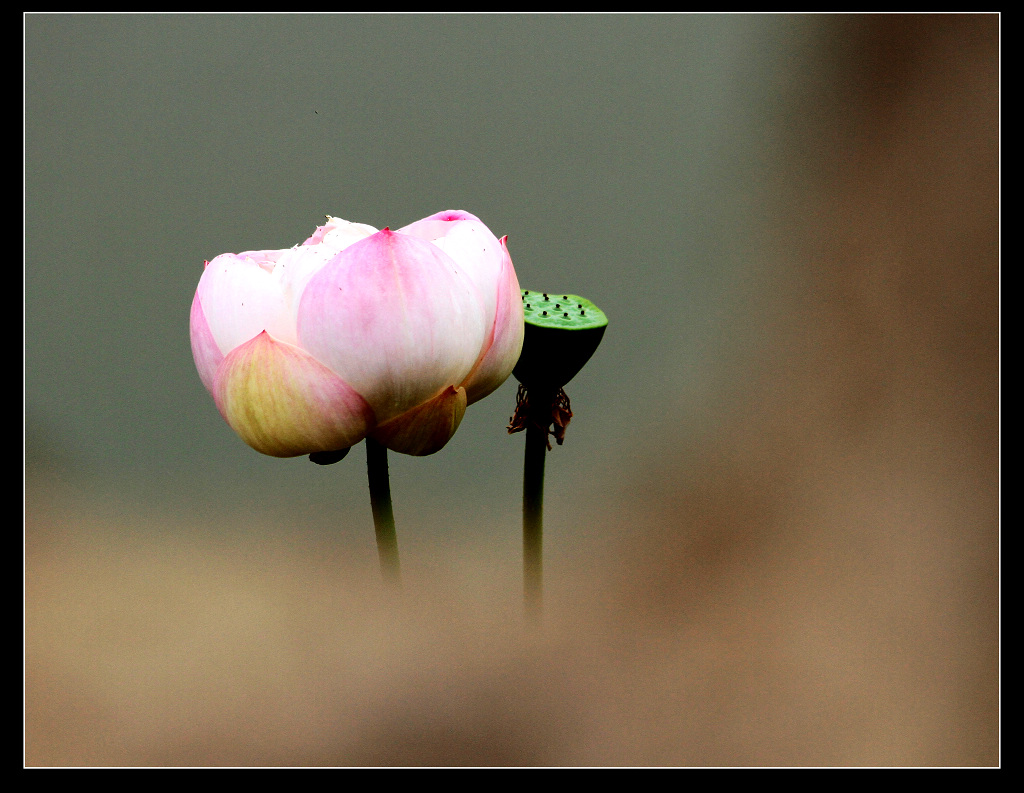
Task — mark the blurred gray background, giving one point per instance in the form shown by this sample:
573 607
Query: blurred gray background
772 530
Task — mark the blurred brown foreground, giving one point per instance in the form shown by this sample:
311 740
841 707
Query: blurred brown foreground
817 587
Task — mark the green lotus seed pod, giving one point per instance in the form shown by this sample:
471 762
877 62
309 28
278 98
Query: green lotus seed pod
562 332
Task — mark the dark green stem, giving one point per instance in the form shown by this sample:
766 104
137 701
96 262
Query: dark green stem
533 503
383 516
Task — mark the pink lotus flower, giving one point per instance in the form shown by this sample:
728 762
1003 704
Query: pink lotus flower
358 332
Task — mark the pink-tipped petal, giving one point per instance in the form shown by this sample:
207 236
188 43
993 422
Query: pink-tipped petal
393 317
470 243
205 351
437 225
506 343
426 428
284 403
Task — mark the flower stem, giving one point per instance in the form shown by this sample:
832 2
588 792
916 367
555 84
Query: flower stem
533 504
383 516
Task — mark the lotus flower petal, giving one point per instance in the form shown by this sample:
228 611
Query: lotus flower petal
283 402
392 317
205 351
241 298
338 234
427 427
505 341
471 244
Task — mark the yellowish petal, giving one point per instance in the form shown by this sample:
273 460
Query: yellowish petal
283 402
426 428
